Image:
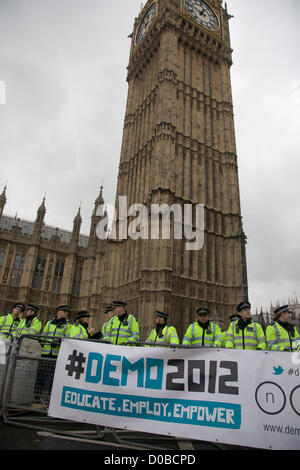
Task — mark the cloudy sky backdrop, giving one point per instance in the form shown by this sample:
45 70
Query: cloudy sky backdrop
64 63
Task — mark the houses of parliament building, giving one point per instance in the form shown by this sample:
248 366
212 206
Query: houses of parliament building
178 147
46 266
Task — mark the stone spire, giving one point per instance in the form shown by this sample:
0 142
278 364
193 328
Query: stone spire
40 216
99 201
76 226
2 201
77 222
99 213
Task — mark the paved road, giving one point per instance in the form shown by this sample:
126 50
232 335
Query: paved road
14 437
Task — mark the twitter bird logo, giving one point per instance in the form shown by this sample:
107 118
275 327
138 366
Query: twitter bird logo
277 370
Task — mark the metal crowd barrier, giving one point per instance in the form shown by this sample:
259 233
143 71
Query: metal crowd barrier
27 390
165 345
6 342
128 438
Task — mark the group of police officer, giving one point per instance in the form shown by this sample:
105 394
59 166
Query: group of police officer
122 327
243 332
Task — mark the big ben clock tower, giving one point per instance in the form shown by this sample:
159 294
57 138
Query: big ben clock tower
179 148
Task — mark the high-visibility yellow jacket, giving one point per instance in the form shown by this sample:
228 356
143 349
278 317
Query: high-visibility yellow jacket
167 335
278 338
29 326
251 337
54 329
196 335
9 325
104 326
78 331
120 332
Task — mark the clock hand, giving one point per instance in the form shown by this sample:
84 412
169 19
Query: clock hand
202 12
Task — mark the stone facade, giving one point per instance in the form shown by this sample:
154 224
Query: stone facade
49 266
178 147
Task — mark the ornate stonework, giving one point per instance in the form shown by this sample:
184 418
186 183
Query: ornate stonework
49 266
178 147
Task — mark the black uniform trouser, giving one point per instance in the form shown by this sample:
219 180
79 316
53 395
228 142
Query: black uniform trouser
44 377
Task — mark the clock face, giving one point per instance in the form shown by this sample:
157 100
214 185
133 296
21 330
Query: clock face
202 14
146 23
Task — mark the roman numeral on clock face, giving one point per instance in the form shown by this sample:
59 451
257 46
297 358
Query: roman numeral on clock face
202 14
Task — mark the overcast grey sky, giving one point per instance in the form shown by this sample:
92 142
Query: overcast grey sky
64 66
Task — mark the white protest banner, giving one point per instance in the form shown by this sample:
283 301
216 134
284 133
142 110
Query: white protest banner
247 398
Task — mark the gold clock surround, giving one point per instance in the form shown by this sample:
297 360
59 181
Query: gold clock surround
186 13
155 2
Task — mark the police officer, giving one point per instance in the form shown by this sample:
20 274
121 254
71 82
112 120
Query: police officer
243 332
234 317
122 327
81 328
162 333
58 328
10 322
223 336
31 324
54 330
203 332
282 335
109 312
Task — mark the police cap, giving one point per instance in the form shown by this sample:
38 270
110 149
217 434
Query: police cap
118 303
203 311
62 308
108 309
82 314
161 314
279 310
32 307
20 306
242 305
